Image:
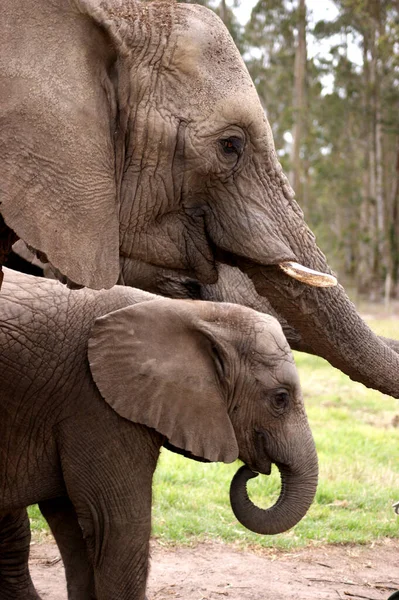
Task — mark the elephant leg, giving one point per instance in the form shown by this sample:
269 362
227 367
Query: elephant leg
120 559
117 546
15 580
107 465
62 519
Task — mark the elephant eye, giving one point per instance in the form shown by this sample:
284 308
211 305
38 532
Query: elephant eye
232 145
280 400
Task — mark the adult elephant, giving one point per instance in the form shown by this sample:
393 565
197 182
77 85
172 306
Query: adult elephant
134 129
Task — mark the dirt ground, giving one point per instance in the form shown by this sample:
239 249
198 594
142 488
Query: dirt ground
215 571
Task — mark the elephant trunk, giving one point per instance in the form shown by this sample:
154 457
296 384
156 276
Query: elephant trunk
296 496
329 326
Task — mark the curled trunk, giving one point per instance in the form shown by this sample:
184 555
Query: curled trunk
296 496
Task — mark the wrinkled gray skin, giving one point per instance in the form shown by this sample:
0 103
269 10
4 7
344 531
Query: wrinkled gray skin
73 363
134 129
232 286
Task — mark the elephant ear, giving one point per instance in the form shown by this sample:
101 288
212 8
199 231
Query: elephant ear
155 364
57 115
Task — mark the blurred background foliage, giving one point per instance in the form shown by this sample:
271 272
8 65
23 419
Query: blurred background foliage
335 119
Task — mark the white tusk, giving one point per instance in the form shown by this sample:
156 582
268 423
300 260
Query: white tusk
308 276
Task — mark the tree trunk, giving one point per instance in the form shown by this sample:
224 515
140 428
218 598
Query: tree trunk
299 100
223 11
381 201
394 224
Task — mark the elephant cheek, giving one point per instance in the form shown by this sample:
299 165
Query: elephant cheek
172 241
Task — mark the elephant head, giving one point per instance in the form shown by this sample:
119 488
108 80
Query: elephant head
134 129
219 382
128 136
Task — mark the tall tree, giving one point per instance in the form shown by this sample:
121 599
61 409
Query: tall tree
299 100
269 43
373 24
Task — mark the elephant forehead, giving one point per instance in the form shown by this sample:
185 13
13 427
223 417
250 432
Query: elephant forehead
275 368
203 51
270 339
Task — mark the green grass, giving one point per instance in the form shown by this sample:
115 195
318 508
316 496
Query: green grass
38 524
358 450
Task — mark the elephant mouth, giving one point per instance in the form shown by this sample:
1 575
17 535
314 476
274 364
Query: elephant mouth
292 269
262 468
266 453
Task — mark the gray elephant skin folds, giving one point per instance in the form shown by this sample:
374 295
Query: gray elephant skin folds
95 382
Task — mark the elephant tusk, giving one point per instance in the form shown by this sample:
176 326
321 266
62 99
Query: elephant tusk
308 276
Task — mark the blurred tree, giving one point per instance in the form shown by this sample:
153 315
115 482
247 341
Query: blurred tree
269 43
299 104
374 134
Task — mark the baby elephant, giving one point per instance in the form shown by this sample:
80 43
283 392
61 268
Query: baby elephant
94 383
